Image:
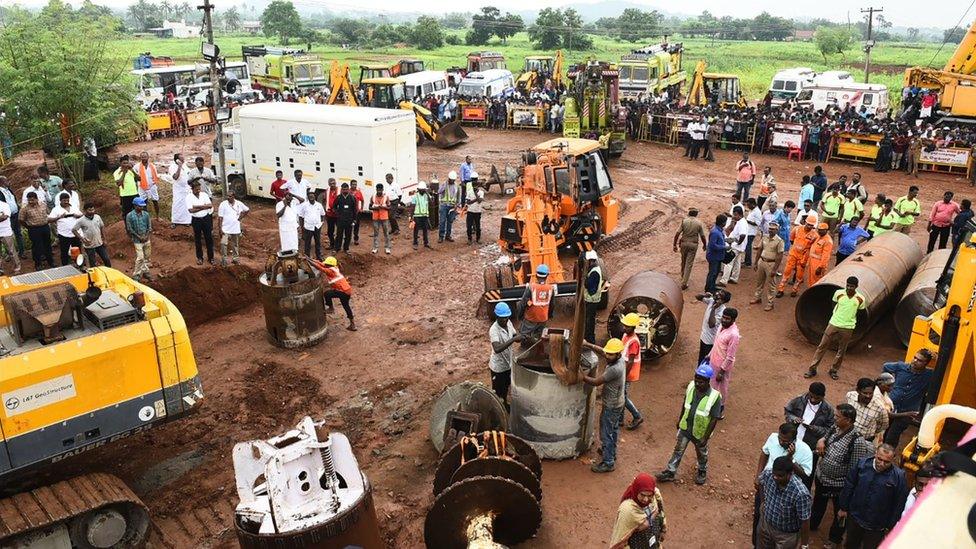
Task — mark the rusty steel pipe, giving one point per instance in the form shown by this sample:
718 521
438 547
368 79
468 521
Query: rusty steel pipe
883 266
919 296
292 298
657 298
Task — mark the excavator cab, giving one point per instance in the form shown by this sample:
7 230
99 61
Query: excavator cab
373 70
384 93
407 66
709 88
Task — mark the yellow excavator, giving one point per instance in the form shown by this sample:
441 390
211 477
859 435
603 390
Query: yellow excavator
537 69
86 359
342 92
391 93
955 83
712 88
950 333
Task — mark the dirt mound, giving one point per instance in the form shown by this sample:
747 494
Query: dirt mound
415 332
205 294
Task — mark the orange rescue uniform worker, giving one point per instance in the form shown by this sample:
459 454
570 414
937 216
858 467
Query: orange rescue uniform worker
339 288
819 257
534 306
632 356
801 238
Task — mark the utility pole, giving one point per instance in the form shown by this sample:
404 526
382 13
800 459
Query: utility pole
216 94
869 43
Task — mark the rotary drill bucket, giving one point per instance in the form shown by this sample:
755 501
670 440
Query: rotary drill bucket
449 135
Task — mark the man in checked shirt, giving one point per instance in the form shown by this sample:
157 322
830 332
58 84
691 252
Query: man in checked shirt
872 418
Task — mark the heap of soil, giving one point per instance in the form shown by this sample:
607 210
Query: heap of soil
205 294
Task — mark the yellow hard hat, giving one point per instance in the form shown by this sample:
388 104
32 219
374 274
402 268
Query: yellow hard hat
614 346
331 261
630 319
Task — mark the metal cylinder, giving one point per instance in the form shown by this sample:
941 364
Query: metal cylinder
355 527
294 309
556 420
882 266
919 296
657 298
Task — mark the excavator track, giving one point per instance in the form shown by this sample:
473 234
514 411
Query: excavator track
93 509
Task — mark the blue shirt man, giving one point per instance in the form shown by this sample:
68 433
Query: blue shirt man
819 181
874 496
911 381
849 236
806 191
716 244
782 218
466 168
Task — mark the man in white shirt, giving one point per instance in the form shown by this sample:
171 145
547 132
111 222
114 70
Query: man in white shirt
737 242
311 213
754 218
179 172
202 175
297 187
7 235
36 186
395 194
71 189
200 207
65 216
11 201
231 212
474 197
287 214
802 213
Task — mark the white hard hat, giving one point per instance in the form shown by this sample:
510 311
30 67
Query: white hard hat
474 175
590 254
422 186
452 175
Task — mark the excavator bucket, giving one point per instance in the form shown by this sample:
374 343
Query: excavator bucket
449 135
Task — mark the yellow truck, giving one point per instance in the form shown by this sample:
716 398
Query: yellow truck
283 69
85 360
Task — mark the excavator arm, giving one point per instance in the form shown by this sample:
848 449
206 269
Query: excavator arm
557 69
696 94
963 60
342 92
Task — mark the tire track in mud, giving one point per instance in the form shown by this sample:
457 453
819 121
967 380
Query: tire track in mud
636 231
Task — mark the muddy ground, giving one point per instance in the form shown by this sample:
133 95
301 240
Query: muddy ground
418 333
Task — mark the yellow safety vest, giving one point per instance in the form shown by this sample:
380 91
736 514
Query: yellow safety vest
595 298
700 423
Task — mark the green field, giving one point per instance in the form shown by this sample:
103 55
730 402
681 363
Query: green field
754 62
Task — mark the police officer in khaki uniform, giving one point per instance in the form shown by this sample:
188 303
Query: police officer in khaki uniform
770 252
689 235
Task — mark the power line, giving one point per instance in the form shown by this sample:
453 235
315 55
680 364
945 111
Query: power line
946 38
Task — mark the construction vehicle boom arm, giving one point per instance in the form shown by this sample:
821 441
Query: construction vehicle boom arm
339 80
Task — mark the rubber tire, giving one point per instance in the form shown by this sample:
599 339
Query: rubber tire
420 137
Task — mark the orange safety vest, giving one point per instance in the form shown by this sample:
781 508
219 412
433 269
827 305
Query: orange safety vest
821 248
539 298
633 374
803 238
336 280
143 183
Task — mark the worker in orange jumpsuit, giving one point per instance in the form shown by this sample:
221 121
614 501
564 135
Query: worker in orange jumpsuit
801 238
819 257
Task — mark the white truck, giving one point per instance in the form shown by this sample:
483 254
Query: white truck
324 141
873 97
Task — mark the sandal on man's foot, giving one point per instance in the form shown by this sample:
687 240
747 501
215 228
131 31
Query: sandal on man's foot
812 372
834 375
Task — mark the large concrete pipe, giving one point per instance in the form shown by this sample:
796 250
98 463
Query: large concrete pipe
919 296
657 299
882 266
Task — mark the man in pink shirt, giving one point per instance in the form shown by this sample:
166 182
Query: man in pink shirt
940 221
722 357
745 175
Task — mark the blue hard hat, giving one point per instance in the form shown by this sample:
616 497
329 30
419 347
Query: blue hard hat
502 310
139 201
542 270
705 370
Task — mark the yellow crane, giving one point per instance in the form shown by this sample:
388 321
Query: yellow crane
85 361
956 82
950 334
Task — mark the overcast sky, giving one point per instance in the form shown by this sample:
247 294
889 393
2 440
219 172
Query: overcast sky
900 12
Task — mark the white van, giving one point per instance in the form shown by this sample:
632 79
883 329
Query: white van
872 96
424 83
488 84
787 83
